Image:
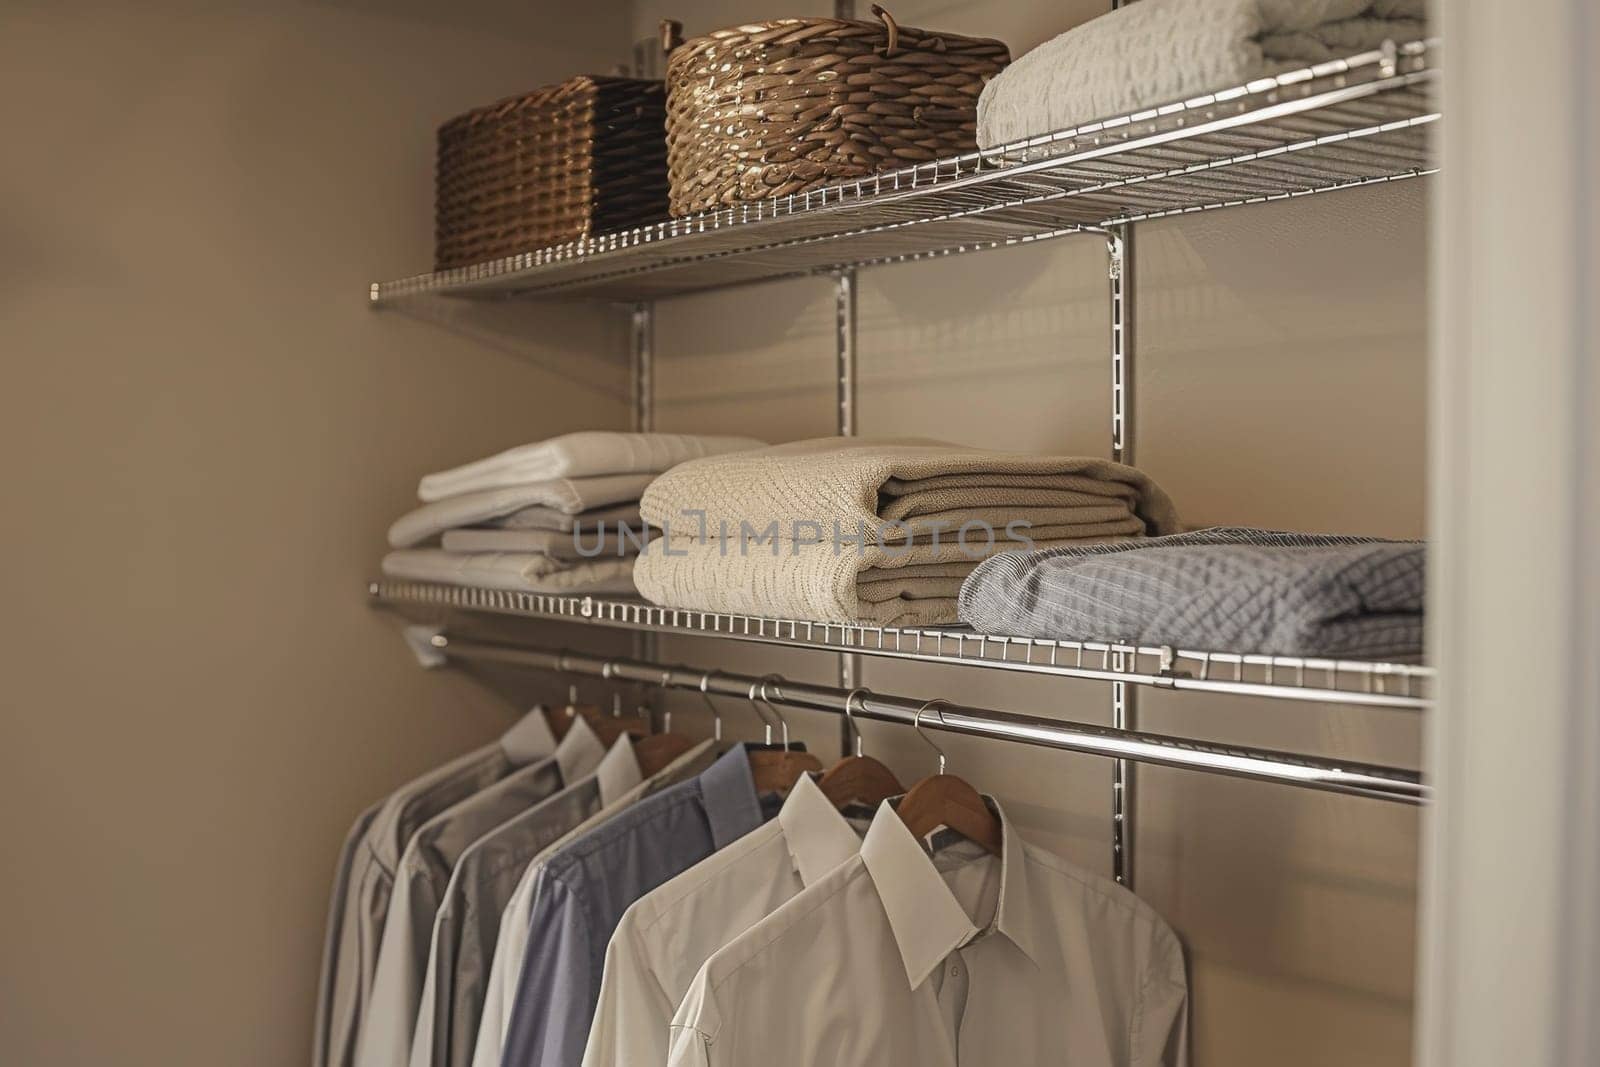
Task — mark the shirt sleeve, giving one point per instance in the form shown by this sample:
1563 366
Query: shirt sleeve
632 1019
694 1027
386 1027
553 1009
1161 1018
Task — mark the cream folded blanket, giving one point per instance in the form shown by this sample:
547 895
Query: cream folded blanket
538 517
845 529
570 496
1162 51
517 572
578 455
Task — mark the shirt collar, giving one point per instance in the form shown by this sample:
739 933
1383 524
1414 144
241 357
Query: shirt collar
529 740
618 772
819 838
728 793
579 752
928 921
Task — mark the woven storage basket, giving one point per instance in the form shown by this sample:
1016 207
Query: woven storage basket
775 108
583 156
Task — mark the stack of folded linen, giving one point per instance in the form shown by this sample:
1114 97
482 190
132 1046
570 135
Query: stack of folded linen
1162 51
879 531
556 516
1228 588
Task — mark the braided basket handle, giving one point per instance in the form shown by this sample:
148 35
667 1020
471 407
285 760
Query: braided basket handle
892 26
671 35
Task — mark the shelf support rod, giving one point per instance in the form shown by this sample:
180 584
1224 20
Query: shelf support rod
642 393
1119 248
1288 768
844 337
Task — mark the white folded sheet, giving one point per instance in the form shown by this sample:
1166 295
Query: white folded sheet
579 455
569 496
517 572
1162 51
581 545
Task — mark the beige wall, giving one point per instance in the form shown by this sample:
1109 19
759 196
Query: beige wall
1281 382
203 434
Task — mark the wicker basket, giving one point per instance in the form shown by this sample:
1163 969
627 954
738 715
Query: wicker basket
775 108
586 155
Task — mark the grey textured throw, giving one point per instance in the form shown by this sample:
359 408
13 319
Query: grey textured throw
1230 588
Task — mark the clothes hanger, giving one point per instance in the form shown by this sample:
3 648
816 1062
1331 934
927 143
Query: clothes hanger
776 770
560 719
655 751
945 800
858 778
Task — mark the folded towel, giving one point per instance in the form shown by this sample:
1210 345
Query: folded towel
1228 588
517 572
896 489
567 495
538 517
903 585
601 543
1161 51
578 455
844 529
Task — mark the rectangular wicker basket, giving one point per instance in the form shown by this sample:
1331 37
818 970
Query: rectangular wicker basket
776 108
549 166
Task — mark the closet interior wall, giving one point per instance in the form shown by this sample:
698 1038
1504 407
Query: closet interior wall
1281 353
203 438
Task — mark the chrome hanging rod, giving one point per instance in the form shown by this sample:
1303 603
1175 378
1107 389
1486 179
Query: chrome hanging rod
1356 779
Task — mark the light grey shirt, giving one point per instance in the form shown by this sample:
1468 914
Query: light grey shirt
330 938
363 903
423 875
669 932
466 926
954 956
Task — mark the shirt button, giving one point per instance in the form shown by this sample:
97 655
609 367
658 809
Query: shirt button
955 971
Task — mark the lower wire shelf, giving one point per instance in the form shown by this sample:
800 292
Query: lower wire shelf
1394 685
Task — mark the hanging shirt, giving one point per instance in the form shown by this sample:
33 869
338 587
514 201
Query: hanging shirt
465 927
364 906
512 939
423 875
955 957
669 932
587 886
353 843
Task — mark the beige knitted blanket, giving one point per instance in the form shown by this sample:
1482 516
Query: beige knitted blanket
844 530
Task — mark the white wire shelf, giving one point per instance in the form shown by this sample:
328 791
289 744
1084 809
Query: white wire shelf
1395 685
1349 122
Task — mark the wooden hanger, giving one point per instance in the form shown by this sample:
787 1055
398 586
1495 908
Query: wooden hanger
657 750
858 779
777 770
945 800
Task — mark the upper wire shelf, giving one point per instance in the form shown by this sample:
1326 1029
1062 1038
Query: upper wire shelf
1344 123
1396 685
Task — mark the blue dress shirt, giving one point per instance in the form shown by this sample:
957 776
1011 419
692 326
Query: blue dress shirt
587 886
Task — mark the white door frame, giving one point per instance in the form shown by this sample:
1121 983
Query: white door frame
1510 956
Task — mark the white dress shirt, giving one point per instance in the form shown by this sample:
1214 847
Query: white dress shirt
958 957
424 874
512 940
668 933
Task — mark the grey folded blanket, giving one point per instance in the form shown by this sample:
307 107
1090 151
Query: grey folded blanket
1228 588
1162 51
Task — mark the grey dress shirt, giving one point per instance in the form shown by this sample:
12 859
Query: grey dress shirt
353 843
587 886
468 922
423 875
364 906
